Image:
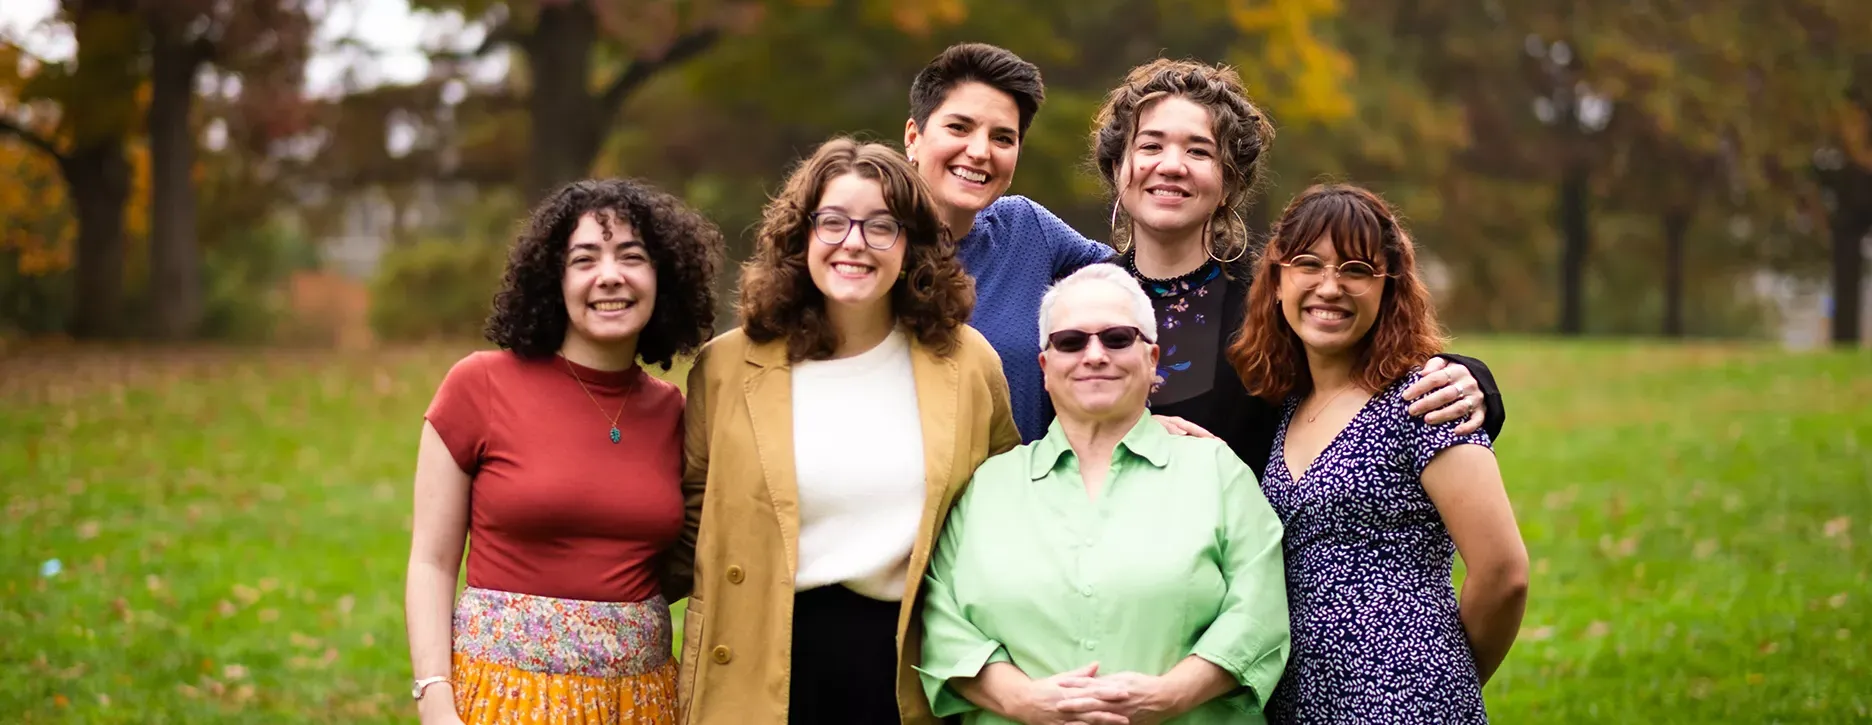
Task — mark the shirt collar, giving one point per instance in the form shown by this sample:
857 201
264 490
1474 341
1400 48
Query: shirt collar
1147 439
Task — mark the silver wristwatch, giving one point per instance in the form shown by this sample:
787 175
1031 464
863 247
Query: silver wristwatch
416 693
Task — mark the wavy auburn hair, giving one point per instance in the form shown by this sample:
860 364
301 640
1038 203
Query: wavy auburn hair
778 297
1269 356
1243 135
529 314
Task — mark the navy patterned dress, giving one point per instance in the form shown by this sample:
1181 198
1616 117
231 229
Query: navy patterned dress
1376 636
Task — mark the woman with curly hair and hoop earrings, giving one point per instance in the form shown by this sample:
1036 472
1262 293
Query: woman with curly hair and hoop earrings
561 460
831 433
1181 146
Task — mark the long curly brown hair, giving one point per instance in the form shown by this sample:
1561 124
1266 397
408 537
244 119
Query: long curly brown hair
778 297
1269 356
685 248
1243 135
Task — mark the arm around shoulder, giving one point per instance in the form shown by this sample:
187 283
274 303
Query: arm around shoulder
1494 409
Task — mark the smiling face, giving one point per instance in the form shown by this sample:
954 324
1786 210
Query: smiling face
1172 178
609 283
1330 321
967 150
1097 383
851 273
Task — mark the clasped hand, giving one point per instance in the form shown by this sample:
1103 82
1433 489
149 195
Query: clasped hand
1081 697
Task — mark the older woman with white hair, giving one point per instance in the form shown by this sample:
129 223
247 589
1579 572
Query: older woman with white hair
1109 572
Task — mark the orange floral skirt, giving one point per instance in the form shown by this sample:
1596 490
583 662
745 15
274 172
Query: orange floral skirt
520 658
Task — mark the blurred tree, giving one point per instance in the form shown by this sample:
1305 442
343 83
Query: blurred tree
94 97
261 50
582 59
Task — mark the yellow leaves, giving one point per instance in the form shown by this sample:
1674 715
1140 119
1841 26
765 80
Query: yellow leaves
918 17
1295 72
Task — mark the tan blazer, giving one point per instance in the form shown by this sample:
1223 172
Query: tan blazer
740 542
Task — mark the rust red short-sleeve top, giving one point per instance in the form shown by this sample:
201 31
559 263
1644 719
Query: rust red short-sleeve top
555 508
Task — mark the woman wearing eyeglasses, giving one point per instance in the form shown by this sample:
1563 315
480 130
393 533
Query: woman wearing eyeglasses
1375 501
830 433
1181 146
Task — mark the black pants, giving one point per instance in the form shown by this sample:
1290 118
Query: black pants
844 659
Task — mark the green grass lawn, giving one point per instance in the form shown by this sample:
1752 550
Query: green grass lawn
231 530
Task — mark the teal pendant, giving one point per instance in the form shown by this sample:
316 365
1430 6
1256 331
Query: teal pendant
615 435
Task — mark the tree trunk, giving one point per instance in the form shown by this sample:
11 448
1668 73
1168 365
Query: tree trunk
1851 222
98 177
1676 227
1575 240
176 285
566 121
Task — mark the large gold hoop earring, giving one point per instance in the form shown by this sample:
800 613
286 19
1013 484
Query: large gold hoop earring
1114 228
1244 243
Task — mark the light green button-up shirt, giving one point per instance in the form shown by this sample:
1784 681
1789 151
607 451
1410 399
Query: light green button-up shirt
1179 555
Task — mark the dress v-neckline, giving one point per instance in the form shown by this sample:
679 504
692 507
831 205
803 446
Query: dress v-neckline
1280 445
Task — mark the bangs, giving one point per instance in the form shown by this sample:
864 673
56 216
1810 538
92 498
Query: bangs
1356 232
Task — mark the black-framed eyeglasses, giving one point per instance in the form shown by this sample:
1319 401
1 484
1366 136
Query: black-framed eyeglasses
879 233
1355 277
1113 338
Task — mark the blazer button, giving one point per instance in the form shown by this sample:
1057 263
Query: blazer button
722 655
736 575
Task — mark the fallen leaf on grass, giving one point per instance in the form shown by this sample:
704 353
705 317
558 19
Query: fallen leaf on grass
1598 629
88 530
246 594
61 701
1768 648
1537 634
302 641
269 615
1842 635
1838 526
226 608
153 583
345 604
1836 601
1700 688
1705 548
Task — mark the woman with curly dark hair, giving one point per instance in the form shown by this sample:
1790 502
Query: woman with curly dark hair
1182 147
561 459
831 432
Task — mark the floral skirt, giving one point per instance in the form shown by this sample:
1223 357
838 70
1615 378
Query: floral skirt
520 658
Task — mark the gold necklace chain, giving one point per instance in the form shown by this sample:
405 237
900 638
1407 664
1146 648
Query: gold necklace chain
615 434
1328 403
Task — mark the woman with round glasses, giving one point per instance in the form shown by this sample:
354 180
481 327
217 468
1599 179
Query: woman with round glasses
1181 146
1376 502
831 433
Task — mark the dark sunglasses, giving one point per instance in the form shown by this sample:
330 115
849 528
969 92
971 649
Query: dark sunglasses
1113 338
